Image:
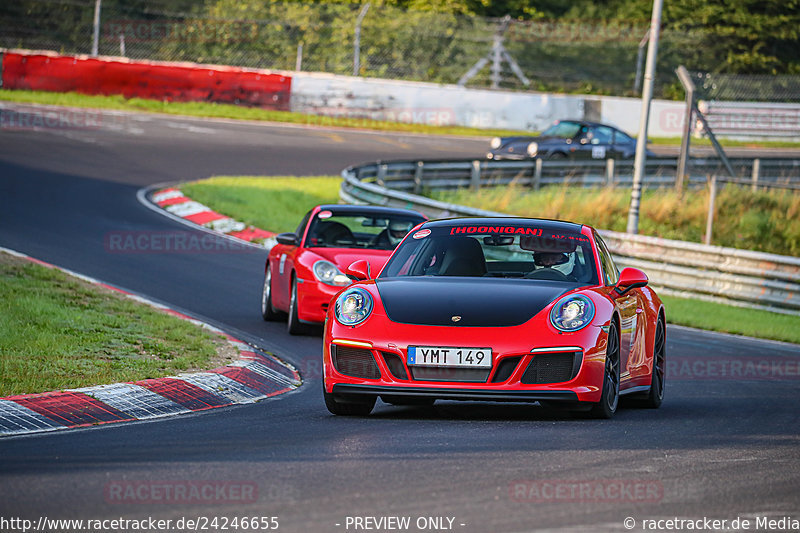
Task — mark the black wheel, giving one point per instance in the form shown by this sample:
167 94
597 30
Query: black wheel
408 401
656 395
609 399
557 156
361 406
268 312
293 325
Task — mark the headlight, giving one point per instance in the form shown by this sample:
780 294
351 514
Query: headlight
327 273
533 149
572 313
353 306
496 142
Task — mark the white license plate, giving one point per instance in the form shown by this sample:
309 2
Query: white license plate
450 356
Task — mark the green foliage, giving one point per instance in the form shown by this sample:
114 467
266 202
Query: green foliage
561 46
742 36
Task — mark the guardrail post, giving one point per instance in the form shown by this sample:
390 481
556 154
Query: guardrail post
681 175
475 176
611 171
298 62
537 174
357 40
756 172
712 198
381 174
418 177
96 28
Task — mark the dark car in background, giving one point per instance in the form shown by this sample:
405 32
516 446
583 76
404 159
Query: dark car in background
573 139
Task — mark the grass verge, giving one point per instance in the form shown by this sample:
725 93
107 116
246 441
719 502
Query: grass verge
59 332
278 204
726 143
212 110
730 319
767 221
271 203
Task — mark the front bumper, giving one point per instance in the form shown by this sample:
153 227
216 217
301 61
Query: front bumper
383 357
480 395
508 156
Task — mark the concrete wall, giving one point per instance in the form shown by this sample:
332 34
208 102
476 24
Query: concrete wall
430 103
392 100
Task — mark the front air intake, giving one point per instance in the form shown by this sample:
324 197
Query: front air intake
552 368
395 365
354 362
505 368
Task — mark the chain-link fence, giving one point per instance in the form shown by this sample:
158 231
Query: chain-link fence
746 88
584 57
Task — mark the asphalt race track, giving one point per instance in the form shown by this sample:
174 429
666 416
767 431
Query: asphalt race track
722 446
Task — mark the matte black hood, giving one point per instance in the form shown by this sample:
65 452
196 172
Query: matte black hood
478 301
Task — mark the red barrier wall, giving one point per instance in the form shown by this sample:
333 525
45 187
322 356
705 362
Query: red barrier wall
150 79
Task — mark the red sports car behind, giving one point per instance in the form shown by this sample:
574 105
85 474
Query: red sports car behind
304 271
496 309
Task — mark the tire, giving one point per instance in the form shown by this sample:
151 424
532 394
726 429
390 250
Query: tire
657 378
293 325
558 156
408 401
609 399
268 312
355 407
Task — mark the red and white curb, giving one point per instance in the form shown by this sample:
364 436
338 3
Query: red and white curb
179 205
255 376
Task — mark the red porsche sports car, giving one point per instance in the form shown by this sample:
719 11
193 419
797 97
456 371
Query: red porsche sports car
304 271
496 309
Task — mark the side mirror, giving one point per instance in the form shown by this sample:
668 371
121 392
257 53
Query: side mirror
359 270
289 239
630 278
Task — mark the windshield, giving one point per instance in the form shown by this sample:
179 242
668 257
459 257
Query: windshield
512 251
357 230
567 130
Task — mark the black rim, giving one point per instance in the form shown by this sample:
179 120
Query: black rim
658 361
612 370
265 292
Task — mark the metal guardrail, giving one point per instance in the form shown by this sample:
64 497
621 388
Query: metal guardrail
737 277
416 176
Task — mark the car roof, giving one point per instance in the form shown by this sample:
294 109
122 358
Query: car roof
587 123
375 210
544 223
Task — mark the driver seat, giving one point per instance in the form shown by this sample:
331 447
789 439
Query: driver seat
332 233
463 257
